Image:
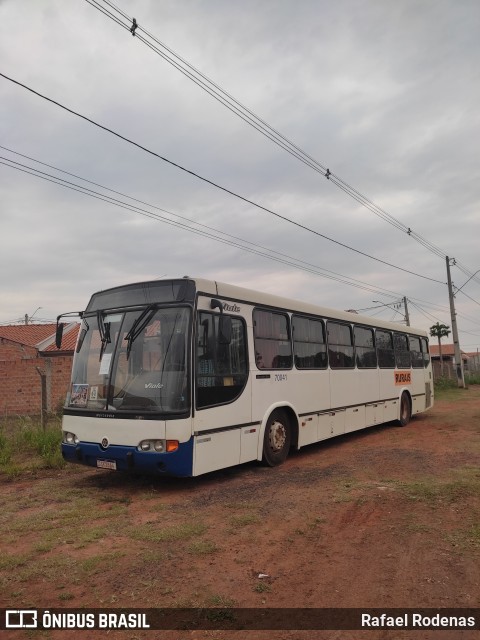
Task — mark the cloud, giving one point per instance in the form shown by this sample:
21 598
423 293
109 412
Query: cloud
384 95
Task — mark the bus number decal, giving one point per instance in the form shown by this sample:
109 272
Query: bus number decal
401 378
280 377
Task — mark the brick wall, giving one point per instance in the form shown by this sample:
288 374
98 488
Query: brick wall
20 381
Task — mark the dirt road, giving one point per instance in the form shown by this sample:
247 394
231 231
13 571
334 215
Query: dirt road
389 517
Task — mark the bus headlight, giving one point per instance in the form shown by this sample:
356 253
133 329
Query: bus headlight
152 445
70 438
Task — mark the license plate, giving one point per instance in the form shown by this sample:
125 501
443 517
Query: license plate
107 464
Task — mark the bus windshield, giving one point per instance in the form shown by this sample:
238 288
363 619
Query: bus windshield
132 361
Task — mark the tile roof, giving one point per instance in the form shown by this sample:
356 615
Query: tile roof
69 339
28 334
447 350
33 335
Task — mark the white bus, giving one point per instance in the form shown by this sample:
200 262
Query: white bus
183 377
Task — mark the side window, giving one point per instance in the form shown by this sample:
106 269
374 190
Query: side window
273 348
402 354
221 369
309 345
425 352
365 354
386 356
340 346
415 352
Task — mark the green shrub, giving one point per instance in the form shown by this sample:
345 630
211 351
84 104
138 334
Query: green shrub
472 378
445 383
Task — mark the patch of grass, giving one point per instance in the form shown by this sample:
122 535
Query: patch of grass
434 491
262 587
444 384
12 562
243 520
345 490
218 600
25 446
474 534
100 562
152 533
202 547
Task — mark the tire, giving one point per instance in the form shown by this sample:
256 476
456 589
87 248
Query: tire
405 410
277 438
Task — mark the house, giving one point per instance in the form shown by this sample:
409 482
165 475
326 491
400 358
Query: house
473 364
448 358
34 374
448 353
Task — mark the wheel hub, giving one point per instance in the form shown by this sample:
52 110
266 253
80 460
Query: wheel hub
277 436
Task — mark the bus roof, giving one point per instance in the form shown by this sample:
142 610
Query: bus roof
241 294
213 288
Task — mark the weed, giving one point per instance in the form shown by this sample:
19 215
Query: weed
432 491
220 601
443 384
262 587
202 547
25 446
474 534
151 532
244 520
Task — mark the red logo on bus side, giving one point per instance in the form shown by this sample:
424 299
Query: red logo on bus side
402 378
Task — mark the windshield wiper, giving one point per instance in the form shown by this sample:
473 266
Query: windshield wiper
139 325
104 331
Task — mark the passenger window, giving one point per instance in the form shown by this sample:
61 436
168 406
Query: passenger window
425 352
385 353
340 346
365 354
222 369
415 352
273 348
402 354
309 343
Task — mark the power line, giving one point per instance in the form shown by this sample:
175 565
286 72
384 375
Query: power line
248 116
253 248
239 109
214 184
469 297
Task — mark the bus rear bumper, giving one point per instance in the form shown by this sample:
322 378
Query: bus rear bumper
121 458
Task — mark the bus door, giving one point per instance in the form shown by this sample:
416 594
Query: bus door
222 431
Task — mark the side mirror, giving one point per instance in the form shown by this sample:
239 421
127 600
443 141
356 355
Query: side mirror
59 335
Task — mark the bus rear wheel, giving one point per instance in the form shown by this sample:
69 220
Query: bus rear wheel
277 438
405 410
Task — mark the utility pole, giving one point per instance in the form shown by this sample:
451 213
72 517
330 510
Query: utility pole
407 317
456 342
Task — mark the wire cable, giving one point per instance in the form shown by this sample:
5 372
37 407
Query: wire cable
225 98
214 184
259 250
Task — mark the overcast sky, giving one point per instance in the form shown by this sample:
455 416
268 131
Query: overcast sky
384 94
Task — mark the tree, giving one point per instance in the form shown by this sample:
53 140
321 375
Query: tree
440 331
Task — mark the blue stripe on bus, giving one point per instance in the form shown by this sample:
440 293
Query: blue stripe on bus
175 463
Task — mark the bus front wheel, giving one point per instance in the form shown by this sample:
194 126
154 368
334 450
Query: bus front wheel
277 438
405 410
